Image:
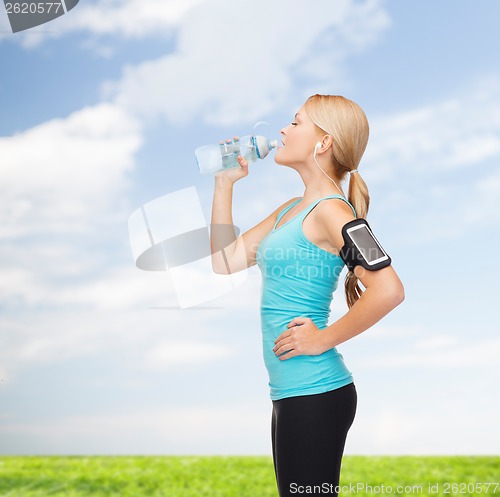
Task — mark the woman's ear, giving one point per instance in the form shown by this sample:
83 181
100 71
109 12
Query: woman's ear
325 143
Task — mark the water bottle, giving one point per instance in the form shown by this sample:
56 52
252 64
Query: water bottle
212 159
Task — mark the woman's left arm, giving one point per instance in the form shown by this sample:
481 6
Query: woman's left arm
384 291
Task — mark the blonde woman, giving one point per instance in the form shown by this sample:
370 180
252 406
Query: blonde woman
297 247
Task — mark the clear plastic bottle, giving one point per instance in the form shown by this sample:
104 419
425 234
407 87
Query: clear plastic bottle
212 159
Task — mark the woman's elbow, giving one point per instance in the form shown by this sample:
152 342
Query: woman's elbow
391 295
218 266
218 270
397 294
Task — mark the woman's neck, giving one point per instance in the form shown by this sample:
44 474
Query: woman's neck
318 186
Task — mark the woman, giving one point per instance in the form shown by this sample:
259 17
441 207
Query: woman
297 249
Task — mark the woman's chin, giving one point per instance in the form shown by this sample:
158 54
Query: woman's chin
280 161
277 157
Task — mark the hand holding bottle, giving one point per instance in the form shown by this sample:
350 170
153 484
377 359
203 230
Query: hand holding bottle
213 159
235 173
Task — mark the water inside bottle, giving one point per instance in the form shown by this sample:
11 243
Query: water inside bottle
230 149
230 160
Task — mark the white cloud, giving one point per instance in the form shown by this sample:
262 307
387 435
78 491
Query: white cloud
61 182
132 19
62 174
122 309
115 288
417 346
129 18
436 342
166 354
218 75
461 131
482 354
47 338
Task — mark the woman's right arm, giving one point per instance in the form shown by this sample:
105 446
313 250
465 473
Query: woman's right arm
231 254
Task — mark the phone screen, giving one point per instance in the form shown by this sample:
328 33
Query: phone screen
366 244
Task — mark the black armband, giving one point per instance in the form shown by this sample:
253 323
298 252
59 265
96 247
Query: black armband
361 247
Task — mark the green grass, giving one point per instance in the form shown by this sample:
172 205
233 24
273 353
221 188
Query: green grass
179 476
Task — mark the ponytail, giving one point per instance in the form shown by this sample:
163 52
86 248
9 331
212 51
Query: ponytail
359 197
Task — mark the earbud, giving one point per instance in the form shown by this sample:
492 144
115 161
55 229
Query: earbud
318 145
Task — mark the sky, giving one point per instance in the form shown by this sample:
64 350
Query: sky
101 111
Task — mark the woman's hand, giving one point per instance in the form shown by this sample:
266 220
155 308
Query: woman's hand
235 173
303 337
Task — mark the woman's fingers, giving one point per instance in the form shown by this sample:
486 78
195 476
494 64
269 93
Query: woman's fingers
236 173
242 161
282 347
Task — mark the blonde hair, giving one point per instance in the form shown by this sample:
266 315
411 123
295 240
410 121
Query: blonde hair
347 124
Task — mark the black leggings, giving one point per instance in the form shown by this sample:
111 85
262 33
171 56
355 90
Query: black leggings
308 437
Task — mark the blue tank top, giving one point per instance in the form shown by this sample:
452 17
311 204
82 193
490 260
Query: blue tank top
298 279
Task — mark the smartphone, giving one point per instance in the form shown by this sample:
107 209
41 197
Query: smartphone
367 245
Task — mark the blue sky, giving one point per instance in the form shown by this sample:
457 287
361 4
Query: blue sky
101 111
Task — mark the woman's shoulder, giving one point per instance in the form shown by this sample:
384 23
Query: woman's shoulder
335 206
331 215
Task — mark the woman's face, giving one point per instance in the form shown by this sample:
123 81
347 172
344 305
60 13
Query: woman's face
299 139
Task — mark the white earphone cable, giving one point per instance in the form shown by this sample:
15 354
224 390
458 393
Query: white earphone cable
314 156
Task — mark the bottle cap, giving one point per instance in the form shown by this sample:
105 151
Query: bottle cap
263 146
